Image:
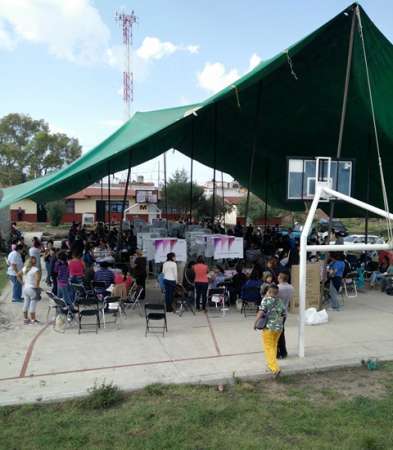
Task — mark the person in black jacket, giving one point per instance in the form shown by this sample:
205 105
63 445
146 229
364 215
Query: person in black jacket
238 281
140 271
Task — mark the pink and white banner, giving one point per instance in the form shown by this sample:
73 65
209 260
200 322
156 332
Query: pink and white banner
163 246
227 247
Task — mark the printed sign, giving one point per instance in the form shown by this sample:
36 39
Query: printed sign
159 248
227 247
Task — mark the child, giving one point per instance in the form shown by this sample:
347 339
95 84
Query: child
267 278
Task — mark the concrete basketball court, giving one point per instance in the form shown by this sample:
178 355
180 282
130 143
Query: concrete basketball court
40 364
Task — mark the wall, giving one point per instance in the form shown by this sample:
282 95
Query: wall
85 206
28 206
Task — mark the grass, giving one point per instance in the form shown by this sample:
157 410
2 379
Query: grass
357 226
314 411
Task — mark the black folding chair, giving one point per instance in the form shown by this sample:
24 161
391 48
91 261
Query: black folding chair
88 306
100 292
155 312
251 300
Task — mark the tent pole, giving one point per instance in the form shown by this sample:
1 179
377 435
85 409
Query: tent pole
367 188
191 168
223 196
343 110
254 146
123 207
102 190
214 162
109 198
266 192
166 194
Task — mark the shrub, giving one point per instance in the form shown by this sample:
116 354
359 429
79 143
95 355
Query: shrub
56 211
102 396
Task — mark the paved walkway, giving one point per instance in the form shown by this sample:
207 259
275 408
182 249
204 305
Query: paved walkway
38 363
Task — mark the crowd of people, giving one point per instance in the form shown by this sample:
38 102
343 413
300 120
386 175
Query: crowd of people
265 285
109 257
85 257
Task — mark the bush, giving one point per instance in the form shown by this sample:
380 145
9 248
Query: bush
102 396
56 211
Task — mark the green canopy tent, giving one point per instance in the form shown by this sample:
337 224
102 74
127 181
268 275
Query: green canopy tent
290 105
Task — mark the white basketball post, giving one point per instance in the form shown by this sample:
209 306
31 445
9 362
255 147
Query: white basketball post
322 189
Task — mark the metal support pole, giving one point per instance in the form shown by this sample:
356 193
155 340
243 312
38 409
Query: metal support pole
303 270
109 198
266 192
253 150
214 162
192 167
304 248
166 194
223 197
343 110
123 206
367 189
102 190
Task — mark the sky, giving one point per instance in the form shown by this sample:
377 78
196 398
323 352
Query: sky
61 60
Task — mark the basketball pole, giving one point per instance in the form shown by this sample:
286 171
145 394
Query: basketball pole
304 248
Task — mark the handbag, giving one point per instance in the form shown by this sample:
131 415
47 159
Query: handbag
262 322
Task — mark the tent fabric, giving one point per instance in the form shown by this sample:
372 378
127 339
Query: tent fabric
301 94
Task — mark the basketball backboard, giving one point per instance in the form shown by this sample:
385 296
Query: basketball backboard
303 173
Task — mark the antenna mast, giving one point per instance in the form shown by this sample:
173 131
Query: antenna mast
127 21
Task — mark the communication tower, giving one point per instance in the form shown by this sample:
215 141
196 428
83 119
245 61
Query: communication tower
127 21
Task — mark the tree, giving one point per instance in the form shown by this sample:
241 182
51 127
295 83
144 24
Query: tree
28 150
178 194
256 209
56 210
204 208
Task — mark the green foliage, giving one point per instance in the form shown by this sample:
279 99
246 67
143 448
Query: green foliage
178 194
56 210
246 415
102 396
156 389
29 150
256 209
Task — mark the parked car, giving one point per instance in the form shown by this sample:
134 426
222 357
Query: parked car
337 226
361 239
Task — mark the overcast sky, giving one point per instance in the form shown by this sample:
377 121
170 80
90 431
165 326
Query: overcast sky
61 60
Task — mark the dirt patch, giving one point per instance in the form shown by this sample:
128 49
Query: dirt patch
5 324
332 386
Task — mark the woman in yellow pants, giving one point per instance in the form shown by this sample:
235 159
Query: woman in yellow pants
274 309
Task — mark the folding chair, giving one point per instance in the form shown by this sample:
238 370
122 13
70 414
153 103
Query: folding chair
251 300
216 296
182 301
60 307
88 306
112 305
134 300
155 312
349 285
99 292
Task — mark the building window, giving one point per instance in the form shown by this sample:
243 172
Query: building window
116 206
70 206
